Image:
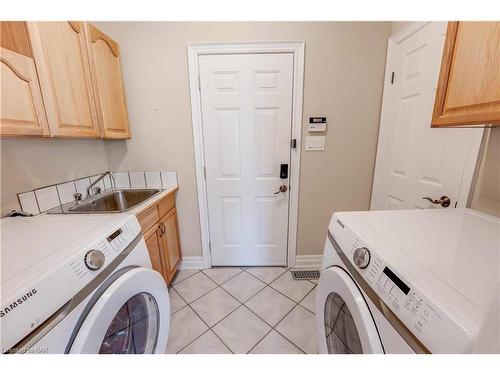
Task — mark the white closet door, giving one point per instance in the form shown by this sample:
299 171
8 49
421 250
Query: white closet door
413 159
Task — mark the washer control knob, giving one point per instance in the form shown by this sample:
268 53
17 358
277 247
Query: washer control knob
361 257
94 259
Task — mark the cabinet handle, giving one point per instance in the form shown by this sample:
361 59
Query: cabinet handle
163 229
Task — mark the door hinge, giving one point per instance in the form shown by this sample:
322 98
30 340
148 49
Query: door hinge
205 172
199 83
392 78
210 246
293 143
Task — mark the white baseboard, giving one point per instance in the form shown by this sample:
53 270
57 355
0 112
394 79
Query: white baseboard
301 261
191 263
308 261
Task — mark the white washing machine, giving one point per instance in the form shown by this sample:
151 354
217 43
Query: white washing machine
80 284
416 281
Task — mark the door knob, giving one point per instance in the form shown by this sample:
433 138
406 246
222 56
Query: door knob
444 201
283 189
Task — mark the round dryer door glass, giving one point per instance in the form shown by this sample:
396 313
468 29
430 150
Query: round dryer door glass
340 329
134 329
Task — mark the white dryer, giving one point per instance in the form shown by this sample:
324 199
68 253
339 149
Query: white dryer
415 281
80 284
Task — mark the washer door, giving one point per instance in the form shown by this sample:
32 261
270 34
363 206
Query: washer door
130 316
344 324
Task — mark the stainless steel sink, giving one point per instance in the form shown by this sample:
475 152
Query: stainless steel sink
115 201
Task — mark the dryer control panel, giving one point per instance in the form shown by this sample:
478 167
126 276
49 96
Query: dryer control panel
437 331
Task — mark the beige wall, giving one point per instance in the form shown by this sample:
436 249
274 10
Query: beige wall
486 195
30 163
397 26
343 80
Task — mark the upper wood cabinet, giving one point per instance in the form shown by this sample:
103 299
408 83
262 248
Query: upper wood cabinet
60 51
22 112
108 84
60 79
468 91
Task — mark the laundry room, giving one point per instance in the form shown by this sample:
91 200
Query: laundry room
192 181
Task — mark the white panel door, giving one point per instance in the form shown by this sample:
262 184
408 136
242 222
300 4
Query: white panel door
413 159
246 111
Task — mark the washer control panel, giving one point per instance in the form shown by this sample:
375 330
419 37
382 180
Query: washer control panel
103 252
88 259
439 332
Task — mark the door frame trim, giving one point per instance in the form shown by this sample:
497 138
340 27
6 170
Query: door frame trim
194 50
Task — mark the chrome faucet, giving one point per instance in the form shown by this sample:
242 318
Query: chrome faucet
97 189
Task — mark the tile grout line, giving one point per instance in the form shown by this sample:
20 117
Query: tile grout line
240 303
209 328
189 305
196 338
211 290
273 328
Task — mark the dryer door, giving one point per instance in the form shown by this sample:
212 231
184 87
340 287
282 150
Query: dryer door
344 324
129 316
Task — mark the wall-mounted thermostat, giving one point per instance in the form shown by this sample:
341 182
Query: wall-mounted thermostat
317 124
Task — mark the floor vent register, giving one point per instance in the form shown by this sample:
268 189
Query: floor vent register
305 274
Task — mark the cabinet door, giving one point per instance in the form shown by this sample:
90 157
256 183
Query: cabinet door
62 61
152 240
170 242
468 88
21 106
108 84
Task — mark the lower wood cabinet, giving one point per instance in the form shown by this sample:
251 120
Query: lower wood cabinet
161 234
170 241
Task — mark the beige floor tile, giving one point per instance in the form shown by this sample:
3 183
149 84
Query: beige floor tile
222 274
176 302
294 289
214 306
274 343
299 328
241 330
208 343
185 326
309 301
270 305
243 286
266 274
194 287
183 274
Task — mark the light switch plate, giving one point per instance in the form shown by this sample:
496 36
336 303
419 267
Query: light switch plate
315 143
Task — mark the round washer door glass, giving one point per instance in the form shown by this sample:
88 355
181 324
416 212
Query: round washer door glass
346 325
134 329
131 315
340 330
